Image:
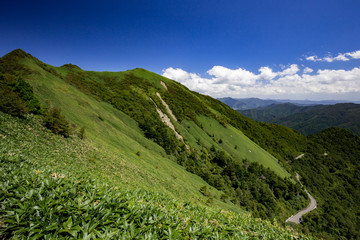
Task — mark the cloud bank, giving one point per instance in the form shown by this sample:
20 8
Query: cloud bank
292 82
340 57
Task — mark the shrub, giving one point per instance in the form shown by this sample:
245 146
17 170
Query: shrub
210 200
204 190
57 122
82 133
224 197
13 97
11 103
26 93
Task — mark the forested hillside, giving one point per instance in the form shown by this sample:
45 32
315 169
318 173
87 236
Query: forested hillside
309 119
272 113
333 177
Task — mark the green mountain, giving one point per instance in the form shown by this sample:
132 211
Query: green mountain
309 119
190 155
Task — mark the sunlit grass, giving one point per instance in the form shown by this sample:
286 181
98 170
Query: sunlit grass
49 189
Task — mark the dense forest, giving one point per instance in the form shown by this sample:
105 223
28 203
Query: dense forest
333 176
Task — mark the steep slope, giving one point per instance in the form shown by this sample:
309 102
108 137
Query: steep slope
52 201
134 160
127 158
124 114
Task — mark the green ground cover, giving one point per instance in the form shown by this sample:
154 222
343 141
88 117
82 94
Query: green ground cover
48 192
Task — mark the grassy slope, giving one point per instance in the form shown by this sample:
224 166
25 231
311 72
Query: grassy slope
66 97
229 135
240 147
56 201
120 137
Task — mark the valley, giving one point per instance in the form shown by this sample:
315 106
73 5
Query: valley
310 119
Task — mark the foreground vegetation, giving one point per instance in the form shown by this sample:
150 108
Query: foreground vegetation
40 197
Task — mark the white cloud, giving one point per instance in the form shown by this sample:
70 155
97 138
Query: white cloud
355 55
177 74
290 70
339 57
313 58
308 70
284 84
267 73
238 77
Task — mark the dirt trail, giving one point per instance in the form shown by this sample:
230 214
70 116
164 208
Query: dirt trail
297 217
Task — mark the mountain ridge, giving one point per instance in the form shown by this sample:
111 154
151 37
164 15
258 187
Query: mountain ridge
253 103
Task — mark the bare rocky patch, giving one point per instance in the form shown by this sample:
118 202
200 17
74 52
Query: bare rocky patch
166 106
165 119
164 85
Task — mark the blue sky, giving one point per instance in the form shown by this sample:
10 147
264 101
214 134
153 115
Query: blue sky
268 49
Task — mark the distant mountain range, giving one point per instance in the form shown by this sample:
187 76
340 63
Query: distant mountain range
309 119
251 103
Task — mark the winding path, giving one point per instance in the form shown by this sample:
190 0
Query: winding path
297 217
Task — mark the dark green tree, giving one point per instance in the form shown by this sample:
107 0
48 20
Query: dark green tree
11 103
26 93
57 122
